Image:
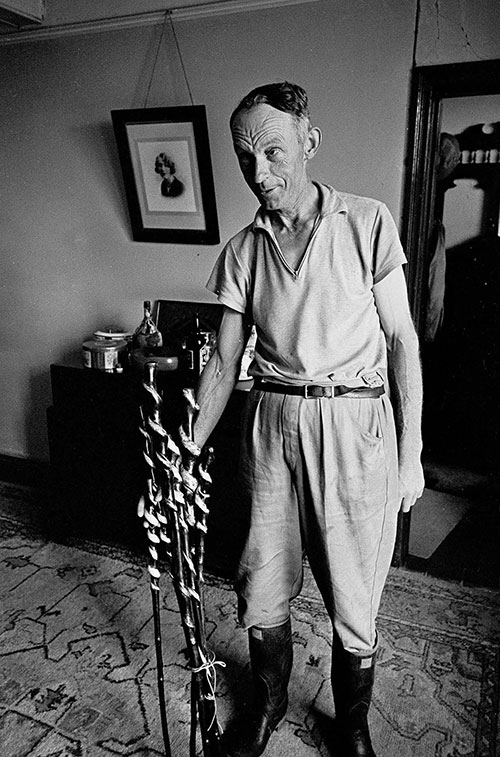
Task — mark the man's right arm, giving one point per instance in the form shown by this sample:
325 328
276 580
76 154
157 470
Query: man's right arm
220 373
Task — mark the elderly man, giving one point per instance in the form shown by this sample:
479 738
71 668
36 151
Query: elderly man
331 441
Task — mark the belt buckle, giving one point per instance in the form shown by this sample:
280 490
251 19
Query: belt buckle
318 391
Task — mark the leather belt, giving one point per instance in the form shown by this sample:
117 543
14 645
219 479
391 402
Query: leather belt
312 391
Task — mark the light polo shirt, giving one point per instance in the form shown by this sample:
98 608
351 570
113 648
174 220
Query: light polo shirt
319 323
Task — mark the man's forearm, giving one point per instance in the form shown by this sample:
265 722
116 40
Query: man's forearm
214 389
405 380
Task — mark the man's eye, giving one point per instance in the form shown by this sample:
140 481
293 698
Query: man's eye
273 152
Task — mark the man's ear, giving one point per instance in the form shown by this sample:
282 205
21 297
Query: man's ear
312 143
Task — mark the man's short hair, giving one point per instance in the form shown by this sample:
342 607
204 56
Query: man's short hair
284 96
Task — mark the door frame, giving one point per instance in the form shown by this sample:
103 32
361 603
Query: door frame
430 85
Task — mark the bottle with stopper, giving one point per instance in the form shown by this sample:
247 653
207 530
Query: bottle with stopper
147 336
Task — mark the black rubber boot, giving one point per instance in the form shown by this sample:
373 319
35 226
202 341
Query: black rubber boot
271 657
352 684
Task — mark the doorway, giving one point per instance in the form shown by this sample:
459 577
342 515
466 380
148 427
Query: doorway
451 225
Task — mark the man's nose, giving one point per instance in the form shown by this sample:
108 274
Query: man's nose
260 169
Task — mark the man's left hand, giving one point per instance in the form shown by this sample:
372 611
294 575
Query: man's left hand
411 484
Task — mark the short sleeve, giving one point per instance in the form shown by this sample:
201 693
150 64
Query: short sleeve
229 280
387 251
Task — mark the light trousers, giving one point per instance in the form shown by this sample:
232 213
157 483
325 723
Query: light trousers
321 477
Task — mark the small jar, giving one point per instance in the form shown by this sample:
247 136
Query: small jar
104 354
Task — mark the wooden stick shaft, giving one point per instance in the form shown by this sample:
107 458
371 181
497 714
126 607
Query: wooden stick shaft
155 596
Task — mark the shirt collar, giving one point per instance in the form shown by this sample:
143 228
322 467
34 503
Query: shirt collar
331 202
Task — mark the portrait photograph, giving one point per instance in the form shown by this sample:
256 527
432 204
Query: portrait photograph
165 159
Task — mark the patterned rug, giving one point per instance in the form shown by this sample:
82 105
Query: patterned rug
78 671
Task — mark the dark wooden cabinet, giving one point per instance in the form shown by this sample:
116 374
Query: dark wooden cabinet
97 465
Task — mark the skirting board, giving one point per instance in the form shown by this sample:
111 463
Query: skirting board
23 471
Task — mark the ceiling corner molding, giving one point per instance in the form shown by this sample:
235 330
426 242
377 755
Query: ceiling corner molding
195 11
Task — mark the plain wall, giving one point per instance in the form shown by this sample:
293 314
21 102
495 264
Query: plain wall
67 261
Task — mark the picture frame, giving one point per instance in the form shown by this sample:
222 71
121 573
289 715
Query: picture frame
167 171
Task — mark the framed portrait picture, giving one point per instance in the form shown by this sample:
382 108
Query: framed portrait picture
167 170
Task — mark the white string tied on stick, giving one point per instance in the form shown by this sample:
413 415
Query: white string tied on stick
208 665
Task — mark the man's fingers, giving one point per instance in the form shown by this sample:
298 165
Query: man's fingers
406 505
409 500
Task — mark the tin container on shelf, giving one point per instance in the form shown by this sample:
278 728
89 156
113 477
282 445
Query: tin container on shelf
106 353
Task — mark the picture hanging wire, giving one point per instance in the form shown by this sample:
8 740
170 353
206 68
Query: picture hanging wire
415 33
168 14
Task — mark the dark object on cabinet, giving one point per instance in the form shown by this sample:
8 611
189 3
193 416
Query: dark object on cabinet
98 471
175 318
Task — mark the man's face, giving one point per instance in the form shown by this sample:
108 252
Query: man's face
271 156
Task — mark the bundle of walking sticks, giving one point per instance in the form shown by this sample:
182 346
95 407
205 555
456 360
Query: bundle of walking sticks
174 512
